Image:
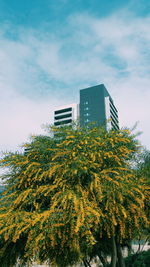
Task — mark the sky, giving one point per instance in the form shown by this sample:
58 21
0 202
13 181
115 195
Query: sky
50 49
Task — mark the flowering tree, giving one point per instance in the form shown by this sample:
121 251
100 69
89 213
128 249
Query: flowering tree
67 192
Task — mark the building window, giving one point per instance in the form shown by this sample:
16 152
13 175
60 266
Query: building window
62 122
86 114
63 116
62 110
87 108
86 103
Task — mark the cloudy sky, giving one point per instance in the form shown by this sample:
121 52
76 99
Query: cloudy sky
49 49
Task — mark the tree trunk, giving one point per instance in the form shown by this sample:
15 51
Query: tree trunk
102 259
129 248
86 263
114 252
119 255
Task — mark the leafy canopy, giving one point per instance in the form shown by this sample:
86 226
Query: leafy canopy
66 189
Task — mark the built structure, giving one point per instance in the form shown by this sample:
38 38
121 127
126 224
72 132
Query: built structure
65 115
96 106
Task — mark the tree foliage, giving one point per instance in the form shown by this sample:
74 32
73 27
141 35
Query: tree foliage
141 259
143 169
67 193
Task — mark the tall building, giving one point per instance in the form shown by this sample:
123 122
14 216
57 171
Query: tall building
96 105
65 115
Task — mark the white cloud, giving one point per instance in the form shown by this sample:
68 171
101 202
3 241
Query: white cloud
133 105
125 38
113 50
21 117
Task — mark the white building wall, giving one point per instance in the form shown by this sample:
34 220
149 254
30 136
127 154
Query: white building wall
107 111
74 112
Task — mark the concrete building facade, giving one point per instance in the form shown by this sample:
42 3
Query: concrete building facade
96 106
65 115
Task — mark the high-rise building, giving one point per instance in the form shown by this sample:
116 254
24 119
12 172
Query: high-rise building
65 115
96 105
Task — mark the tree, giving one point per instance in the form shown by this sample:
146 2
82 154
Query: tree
138 260
143 165
68 192
143 169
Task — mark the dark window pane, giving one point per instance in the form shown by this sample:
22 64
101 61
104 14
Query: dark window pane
63 110
63 116
62 122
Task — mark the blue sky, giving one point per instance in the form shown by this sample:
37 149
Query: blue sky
36 12
49 49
